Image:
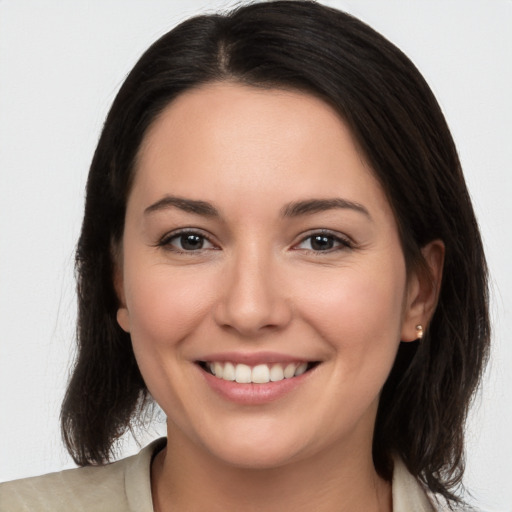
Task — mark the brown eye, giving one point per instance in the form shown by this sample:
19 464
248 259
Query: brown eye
190 242
323 242
187 242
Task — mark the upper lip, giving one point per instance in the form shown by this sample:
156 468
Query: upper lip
254 358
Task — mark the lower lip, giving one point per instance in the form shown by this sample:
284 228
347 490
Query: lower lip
253 394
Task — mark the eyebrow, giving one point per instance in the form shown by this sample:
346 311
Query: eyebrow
298 208
294 209
187 205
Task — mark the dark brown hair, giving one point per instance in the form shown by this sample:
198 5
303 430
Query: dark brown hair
299 45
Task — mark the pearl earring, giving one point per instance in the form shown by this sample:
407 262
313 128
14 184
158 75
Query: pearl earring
419 330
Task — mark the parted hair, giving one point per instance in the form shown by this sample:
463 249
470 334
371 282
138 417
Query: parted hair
400 129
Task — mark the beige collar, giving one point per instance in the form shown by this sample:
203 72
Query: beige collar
408 494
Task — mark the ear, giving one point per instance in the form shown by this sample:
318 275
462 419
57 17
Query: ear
423 287
122 316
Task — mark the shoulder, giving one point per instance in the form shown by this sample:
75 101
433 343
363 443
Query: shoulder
73 489
408 494
118 487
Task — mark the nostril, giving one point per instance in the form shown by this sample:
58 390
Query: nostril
251 301
252 319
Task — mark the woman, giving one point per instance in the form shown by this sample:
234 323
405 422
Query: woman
278 247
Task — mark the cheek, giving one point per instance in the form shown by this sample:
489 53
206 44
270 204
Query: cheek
358 312
165 304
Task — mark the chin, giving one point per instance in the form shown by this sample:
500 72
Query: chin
256 458
259 450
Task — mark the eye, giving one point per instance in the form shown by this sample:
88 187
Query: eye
186 241
323 242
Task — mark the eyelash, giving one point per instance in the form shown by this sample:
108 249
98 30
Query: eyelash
343 242
166 240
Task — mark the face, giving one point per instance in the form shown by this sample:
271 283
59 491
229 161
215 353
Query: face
259 246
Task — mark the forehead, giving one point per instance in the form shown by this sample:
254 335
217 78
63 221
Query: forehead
225 113
227 136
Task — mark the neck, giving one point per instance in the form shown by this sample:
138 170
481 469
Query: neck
184 477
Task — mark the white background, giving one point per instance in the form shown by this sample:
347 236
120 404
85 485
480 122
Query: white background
61 64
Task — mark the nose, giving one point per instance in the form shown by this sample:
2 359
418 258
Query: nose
253 301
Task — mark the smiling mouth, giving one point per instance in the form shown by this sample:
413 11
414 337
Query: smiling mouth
258 374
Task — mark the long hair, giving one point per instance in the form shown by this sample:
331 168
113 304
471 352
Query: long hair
398 125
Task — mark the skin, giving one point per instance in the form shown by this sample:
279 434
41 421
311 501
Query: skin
258 285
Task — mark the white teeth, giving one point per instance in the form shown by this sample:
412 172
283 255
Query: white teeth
259 374
243 373
300 369
229 372
276 373
289 371
218 370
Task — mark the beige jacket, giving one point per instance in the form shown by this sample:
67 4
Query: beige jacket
125 486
